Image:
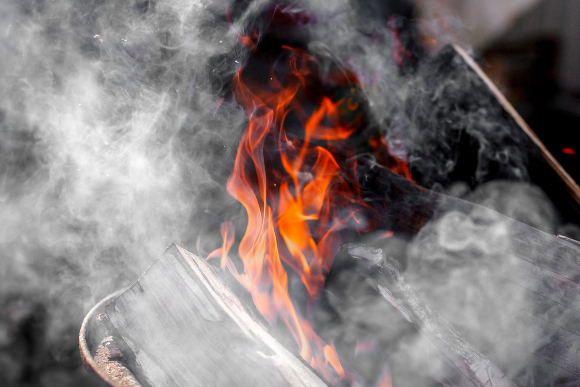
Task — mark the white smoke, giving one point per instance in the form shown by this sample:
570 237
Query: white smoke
115 142
101 103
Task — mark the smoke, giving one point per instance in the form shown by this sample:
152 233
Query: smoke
116 140
110 149
463 263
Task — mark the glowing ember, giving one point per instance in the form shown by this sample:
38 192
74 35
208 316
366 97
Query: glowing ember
293 174
385 235
569 151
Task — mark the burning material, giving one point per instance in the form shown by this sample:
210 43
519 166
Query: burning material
305 188
296 176
186 328
115 145
357 273
295 213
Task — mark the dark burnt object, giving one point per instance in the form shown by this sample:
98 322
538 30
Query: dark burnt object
468 121
455 126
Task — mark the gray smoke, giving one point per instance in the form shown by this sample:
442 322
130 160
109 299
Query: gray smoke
115 141
108 141
459 264
462 263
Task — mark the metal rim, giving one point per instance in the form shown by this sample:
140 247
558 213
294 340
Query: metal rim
86 356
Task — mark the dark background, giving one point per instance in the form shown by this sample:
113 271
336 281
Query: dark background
536 64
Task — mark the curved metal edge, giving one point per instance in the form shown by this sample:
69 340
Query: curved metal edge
87 358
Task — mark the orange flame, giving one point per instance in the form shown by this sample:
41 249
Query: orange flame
385 380
244 40
227 231
297 200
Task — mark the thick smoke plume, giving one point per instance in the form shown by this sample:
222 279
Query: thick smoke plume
116 140
110 147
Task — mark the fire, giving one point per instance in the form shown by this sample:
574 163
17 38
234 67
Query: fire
293 174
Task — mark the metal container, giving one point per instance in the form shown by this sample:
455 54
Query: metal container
91 335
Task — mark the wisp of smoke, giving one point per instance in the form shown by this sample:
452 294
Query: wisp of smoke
116 139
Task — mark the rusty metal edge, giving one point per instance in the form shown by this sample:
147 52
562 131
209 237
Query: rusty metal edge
98 374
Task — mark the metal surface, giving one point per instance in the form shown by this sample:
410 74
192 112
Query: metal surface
90 336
